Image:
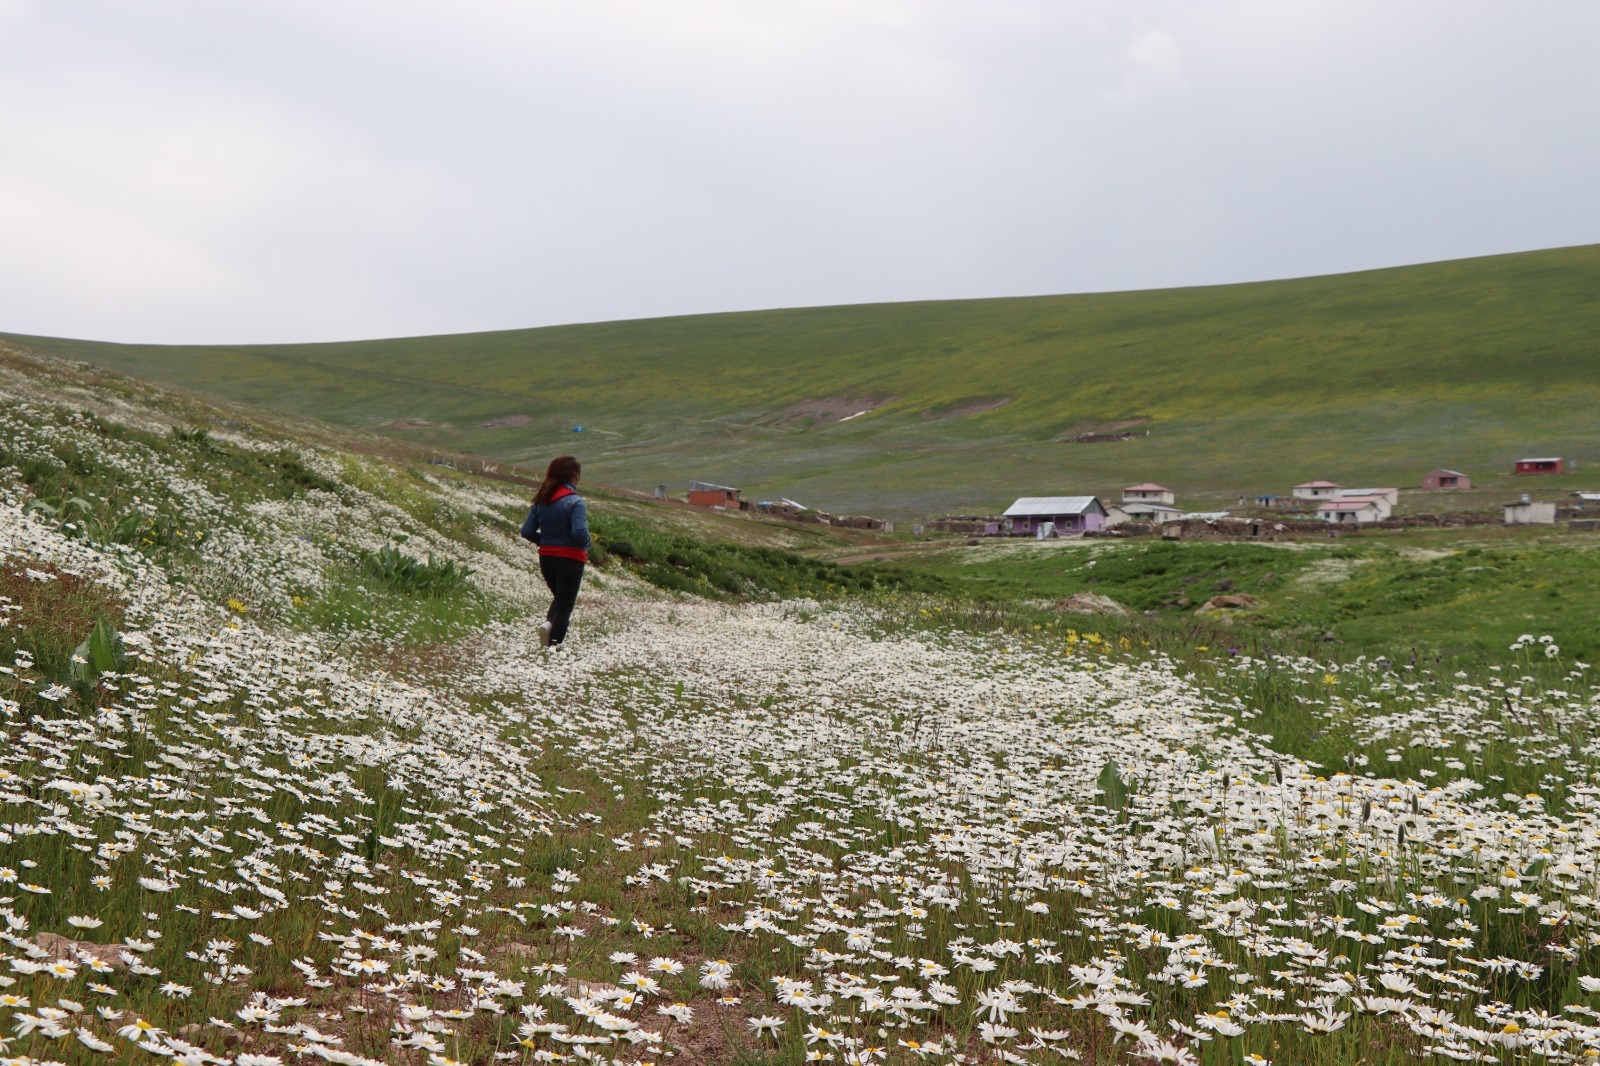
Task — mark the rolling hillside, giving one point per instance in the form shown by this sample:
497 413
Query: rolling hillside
1374 377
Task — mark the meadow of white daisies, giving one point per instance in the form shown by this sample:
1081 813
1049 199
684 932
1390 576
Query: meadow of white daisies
285 778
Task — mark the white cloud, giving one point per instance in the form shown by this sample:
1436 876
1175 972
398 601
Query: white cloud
1151 65
311 170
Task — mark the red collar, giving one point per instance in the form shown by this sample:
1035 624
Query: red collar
561 493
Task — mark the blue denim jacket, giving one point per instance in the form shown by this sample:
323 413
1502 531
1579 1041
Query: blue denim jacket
562 523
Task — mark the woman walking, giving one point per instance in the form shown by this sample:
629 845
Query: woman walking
558 523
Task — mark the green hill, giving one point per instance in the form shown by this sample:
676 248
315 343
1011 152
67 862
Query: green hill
1375 377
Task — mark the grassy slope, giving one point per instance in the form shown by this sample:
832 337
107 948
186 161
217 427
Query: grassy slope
1369 377
1463 594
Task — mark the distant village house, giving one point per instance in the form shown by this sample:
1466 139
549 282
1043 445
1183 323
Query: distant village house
1061 516
1551 465
1131 511
705 494
1149 492
1148 502
1446 479
1316 490
1385 499
1353 510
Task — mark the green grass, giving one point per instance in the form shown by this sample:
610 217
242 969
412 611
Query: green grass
720 570
1442 595
1461 594
1374 377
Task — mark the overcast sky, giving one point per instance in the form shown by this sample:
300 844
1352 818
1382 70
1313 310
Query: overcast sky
233 171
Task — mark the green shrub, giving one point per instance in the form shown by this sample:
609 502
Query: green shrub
723 571
403 573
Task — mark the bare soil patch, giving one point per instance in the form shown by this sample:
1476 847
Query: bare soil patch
827 409
1096 433
716 1036
506 422
963 408
408 423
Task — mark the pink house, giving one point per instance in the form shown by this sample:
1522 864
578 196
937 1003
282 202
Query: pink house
1070 516
1446 479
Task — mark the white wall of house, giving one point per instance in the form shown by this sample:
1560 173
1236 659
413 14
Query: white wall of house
1316 492
1530 514
1369 513
1148 496
1384 503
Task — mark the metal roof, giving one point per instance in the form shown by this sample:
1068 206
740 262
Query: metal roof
1356 503
1318 485
1032 506
1148 486
1546 459
706 486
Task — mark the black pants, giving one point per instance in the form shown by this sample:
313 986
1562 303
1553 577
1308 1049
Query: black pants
563 576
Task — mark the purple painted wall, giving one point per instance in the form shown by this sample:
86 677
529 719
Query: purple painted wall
1067 525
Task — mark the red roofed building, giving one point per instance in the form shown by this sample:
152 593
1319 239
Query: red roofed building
1316 490
1149 492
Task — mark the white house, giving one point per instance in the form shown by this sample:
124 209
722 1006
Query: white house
1392 495
1149 492
1525 512
1384 498
1316 490
1355 510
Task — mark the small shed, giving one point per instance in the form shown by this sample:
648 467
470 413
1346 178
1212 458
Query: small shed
1316 490
1526 512
1442 479
1547 465
705 494
1071 515
1139 511
1352 510
1149 492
